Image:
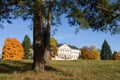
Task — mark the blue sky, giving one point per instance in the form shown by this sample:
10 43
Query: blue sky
64 34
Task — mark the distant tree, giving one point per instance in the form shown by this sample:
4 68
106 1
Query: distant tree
96 54
93 47
86 53
91 53
117 56
113 55
53 44
106 53
12 50
27 46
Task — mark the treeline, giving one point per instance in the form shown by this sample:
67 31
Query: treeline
92 53
14 50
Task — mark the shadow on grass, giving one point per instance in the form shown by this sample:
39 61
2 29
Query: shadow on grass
12 66
49 68
9 67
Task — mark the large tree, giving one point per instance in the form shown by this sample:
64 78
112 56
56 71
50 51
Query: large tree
106 53
100 15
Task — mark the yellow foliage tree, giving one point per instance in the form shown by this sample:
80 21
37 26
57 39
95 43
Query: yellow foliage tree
53 44
96 54
90 53
12 50
86 53
117 56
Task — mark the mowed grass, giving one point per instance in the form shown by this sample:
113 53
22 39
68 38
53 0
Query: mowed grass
61 70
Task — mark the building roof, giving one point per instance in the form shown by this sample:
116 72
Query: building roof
71 46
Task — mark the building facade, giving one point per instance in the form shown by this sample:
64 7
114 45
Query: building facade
67 52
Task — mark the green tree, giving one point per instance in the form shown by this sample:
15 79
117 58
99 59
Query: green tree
106 53
100 15
27 46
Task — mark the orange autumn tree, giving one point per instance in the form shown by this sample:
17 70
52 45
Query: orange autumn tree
12 50
117 56
86 53
90 53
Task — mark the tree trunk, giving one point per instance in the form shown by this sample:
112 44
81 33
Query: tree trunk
41 36
38 46
38 41
47 32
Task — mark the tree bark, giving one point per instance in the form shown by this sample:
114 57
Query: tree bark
41 36
38 60
47 41
38 41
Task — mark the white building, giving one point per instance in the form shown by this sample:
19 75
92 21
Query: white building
67 52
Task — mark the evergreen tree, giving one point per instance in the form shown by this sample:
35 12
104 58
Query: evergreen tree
106 53
27 46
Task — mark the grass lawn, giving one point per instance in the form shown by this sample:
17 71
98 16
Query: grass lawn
61 70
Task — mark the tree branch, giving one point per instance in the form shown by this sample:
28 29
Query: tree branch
108 10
